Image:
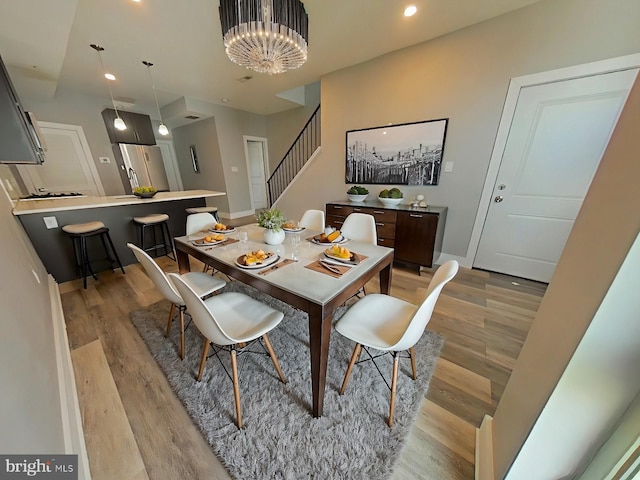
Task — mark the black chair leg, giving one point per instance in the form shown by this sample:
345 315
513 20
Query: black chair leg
115 254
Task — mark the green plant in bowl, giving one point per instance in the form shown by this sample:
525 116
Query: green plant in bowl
272 219
357 193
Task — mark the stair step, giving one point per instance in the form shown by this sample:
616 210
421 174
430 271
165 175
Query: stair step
111 446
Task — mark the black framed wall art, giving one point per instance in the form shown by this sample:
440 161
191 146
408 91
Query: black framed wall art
404 154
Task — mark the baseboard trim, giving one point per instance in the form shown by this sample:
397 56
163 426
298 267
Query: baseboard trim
445 257
484 450
72 431
233 216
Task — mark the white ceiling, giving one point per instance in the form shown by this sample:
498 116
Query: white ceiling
45 45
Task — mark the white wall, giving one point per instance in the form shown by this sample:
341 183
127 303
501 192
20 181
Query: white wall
30 419
594 260
462 76
598 385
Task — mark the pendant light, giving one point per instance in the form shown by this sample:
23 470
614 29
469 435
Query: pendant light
118 123
162 129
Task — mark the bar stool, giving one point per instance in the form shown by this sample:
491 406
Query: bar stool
79 233
212 210
155 222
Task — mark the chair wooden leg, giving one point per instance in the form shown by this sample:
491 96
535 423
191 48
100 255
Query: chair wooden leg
182 334
236 387
171 313
203 360
412 354
394 381
273 358
354 358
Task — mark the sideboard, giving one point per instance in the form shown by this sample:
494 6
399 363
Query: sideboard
414 233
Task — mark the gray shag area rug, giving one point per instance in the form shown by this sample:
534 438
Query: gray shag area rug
280 439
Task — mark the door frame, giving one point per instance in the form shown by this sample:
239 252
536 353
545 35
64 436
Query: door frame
170 164
86 156
610 65
265 159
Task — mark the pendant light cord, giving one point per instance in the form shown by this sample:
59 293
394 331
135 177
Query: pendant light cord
153 88
99 49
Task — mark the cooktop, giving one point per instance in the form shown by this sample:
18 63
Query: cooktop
35 196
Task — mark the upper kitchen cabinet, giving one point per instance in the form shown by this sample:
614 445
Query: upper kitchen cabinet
19 140
139 129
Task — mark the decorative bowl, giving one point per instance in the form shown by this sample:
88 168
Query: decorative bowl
145 194
390 201
356 198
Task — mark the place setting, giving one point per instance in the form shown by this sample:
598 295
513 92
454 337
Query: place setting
222 228
329 237
336 261
292 227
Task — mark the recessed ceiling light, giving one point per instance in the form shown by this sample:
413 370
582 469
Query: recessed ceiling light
410 10
109 76
224 100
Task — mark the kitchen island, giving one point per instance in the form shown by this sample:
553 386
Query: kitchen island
43 220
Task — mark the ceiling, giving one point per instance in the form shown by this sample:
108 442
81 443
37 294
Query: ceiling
45 45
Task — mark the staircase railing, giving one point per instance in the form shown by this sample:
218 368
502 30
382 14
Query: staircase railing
301 150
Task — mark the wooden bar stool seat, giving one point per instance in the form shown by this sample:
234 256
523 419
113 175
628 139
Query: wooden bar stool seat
79 232
155 222
212 210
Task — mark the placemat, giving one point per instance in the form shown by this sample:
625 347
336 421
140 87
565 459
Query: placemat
278 265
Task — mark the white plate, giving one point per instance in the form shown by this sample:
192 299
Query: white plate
202 243
229 230
268 261
353 260
323 258
292 230
341 239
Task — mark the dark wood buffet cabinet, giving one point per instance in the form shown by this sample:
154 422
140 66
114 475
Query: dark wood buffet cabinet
414 233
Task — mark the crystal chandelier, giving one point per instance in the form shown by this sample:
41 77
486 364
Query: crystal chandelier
268 36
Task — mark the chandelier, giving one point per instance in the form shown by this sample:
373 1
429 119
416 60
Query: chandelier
268 36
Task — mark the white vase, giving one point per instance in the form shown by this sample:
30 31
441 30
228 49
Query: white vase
273 237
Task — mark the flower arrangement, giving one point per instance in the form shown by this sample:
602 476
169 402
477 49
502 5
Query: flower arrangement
272 219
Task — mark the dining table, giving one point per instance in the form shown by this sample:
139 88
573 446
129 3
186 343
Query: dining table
294 273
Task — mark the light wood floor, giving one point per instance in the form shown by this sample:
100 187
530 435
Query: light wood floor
483 317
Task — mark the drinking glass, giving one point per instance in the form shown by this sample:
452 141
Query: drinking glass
294 241
244 238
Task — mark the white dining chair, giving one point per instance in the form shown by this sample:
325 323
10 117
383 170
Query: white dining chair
360 227
313 220
229 320
391 325
197 222
201 283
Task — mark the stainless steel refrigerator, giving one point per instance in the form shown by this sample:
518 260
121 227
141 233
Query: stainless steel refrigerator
145 166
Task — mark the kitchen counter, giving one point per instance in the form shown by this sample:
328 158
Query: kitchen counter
60 204
43 220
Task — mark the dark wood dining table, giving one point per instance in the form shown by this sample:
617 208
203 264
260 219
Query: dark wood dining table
316 293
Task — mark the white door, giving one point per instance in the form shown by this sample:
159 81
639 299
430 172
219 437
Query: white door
255 152
68 166
558 135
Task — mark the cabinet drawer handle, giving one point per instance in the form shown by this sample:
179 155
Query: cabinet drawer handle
380 224
378 212
338 222
337 208
415 216
357 209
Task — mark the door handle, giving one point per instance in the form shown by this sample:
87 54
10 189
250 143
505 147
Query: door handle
498 199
